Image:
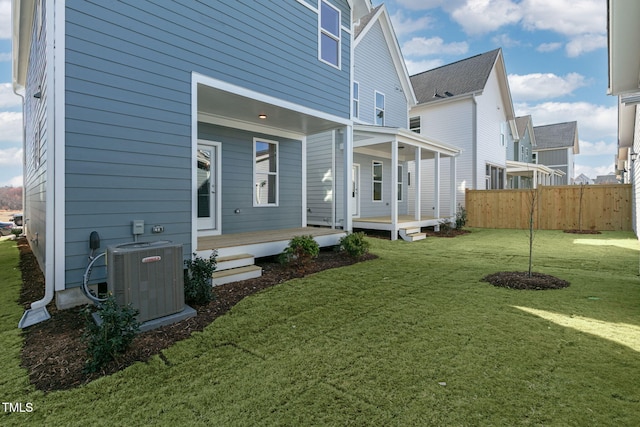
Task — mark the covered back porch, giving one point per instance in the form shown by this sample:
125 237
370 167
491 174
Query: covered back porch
397 201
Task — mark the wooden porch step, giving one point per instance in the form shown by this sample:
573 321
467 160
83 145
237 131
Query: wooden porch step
412 234
234 261
221 277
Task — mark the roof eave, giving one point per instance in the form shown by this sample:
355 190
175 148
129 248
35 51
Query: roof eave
22 22
623 39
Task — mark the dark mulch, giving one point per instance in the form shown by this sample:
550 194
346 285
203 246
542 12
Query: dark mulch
521 280
575 231
55 355
445 232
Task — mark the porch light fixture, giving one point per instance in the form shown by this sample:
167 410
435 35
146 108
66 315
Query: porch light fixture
38 94
262 116
633 156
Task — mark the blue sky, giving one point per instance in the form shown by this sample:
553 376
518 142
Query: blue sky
555 52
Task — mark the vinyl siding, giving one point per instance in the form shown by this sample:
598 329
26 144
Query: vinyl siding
238 181
491 122
128 112
452 123
374 71
369 207
635 177
36 145
320 178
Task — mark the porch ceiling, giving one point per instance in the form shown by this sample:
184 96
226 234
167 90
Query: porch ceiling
242 106
369 138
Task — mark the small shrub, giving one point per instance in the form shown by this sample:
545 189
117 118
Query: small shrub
446 227
113 336
300 252
461 217
197 279
355 245
16 231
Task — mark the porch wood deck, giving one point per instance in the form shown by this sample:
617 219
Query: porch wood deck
261 237
387 219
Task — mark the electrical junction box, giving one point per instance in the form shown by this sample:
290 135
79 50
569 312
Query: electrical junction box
138 226
147 275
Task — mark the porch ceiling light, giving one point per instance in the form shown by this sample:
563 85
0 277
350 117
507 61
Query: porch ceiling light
262 116
633 156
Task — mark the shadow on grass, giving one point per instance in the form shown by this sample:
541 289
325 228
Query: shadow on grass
621 333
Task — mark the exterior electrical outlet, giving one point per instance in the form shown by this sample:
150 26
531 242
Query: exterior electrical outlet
147 275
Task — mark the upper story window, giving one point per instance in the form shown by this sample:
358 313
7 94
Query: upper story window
379 112
265 172
414 124
356 99
329 34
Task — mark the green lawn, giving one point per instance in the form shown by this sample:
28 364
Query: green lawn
411 338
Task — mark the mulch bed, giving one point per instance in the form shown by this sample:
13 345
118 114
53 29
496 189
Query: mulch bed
54 353
521 280
574 231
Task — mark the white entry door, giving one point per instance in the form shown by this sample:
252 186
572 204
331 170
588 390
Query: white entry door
355 190
207 187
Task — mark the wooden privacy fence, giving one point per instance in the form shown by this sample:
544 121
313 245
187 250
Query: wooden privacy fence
596 207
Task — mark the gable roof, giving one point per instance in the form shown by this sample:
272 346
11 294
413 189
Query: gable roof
558 135
459 78
380 14
521 124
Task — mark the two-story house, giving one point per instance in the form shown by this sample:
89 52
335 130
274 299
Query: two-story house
182 121
556 146
468 104
384 149
522 169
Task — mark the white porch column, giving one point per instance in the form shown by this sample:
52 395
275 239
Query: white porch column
452 183
394 189
436 185
535 179
417 182
346 177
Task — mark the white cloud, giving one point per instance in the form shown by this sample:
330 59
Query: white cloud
503 40
593 171
10 127
599 148
421 46
406 25
8 99
414 67
568 17
549 47
424 4
594 121
538 86
5 19
484 16
585 43
11 156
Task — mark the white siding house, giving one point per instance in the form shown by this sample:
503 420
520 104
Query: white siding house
468 104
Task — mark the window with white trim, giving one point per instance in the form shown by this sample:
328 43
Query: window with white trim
376 178
265 172
414 124
400 182
329 34
356 99
379 109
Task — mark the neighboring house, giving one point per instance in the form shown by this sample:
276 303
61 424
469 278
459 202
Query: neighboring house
195 117
522 169
468 104
556 146
624 68
385 150
606 179
582 179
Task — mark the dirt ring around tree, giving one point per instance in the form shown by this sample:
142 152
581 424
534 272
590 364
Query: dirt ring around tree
521 280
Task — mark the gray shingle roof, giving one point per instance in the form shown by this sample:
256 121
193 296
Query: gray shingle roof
558 135
521 124
459 78
364 21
